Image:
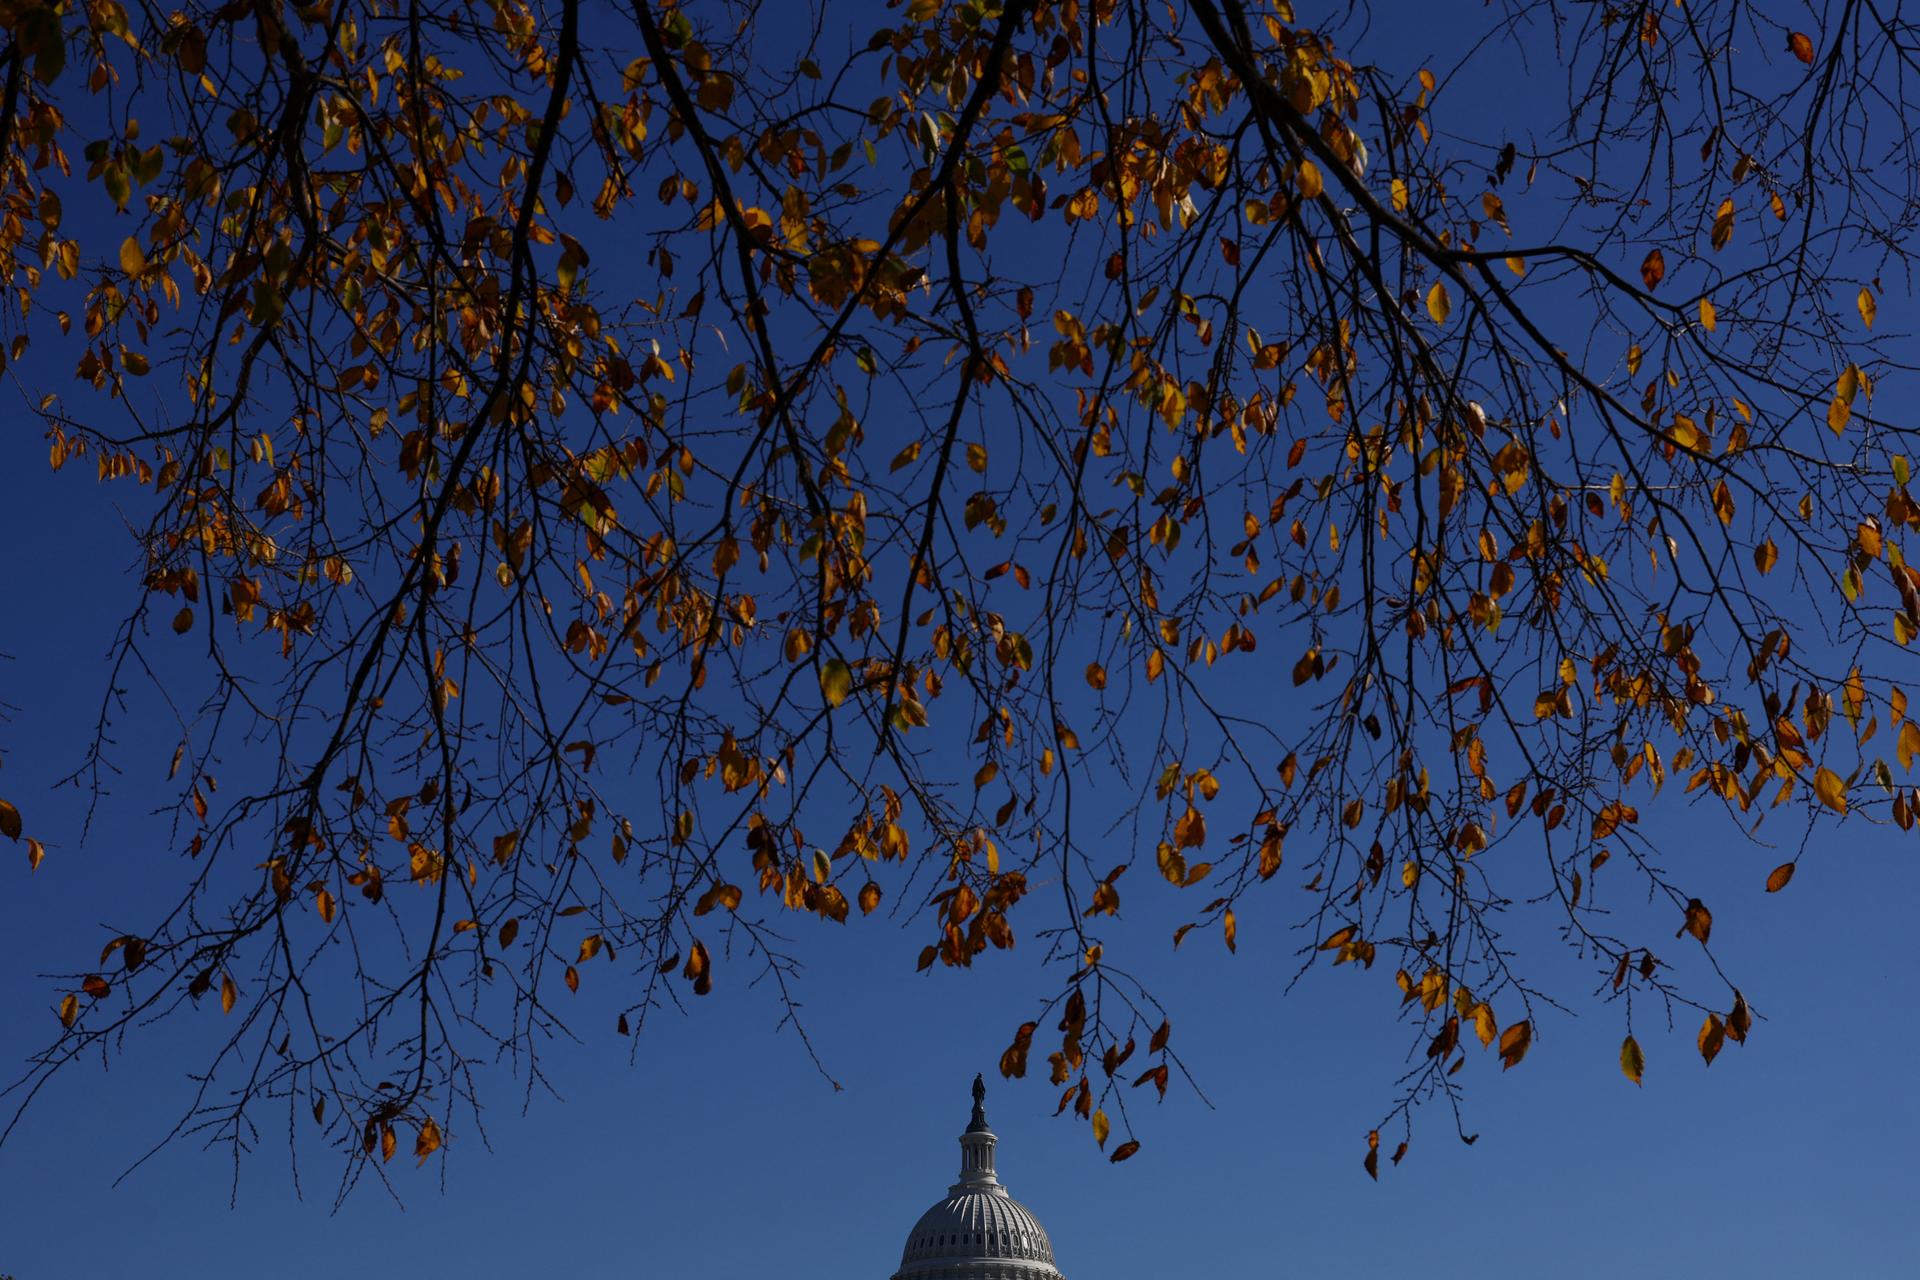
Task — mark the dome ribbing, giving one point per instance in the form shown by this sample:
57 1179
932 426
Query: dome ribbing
978 1232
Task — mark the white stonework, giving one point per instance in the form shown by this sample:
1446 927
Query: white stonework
978 1232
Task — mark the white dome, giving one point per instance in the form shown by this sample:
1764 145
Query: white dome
978 1232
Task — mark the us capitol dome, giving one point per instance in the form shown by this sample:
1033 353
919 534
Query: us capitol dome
978 1232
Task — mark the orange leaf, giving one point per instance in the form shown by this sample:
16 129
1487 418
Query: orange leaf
1514 1042
1654 269
1781 875
1713 1034
428 1142
1801 46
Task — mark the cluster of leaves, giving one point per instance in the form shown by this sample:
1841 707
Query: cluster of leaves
614 475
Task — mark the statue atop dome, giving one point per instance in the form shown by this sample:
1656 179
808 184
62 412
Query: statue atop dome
979 1231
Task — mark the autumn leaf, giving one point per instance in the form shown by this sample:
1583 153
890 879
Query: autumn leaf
1831 790
1439 304
1801 46
1867 307
132 260
1713 1034
428 1142
228 993
1778 878
1740 1021
1100 1128
1698 920
836 681
1311 183
9 821
1653 269
1483 1024
1632 1062
1124 1151
1514 1042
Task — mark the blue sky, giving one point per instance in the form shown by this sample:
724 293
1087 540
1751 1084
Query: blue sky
721 1150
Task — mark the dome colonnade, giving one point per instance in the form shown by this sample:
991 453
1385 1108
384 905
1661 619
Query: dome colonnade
978 1232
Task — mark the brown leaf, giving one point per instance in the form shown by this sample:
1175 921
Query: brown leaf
1779 877
1123 1151
228 993
1653 269
1740 1021
1801 46
9 821
1698 922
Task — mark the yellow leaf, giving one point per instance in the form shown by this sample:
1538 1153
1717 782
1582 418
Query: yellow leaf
1483 1024
1399 195
1632 1061
1100 1127
69 1009
1709 318
1868 308
1830 788
228 993
1837 414
1311 184
1439 305
836 681
132 260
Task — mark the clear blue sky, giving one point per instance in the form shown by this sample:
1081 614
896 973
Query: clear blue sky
722 1152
